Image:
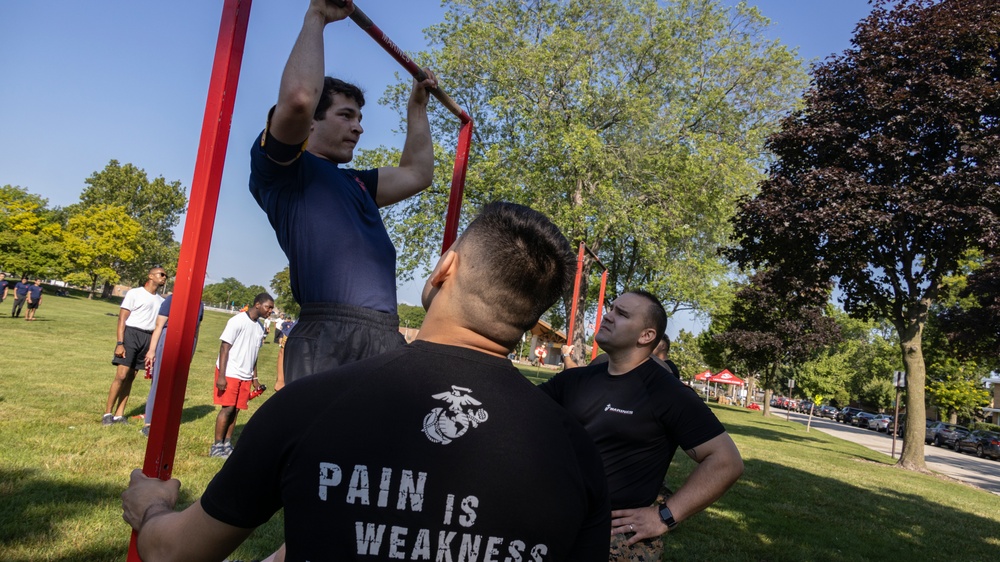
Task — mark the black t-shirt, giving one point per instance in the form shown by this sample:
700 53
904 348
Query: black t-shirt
637 420
423 453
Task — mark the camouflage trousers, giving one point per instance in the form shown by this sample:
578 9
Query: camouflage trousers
649 550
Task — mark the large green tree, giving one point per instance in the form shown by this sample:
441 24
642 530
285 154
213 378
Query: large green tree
99 238
30 235
230 292
634 124
685 353
867 351
776 324
891 173
157 205
281 284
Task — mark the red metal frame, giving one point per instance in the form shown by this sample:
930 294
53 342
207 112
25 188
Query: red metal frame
576 295
200 222
464 136
600 311
196 242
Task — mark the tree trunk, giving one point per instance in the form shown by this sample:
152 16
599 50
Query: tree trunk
767 401
106 291
581 353
912 457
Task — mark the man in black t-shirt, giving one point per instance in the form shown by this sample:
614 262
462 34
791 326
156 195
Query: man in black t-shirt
637 413
440 450
662 352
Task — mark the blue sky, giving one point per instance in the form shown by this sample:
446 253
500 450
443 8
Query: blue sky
87 82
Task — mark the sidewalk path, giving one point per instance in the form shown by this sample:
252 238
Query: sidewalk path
981 473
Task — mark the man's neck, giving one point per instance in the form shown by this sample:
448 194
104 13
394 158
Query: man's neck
453 334
150 287
623 361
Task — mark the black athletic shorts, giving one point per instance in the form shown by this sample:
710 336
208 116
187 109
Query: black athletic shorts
329 335
32 305
136 345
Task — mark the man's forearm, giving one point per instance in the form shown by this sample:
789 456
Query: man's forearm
187 535
715 474
418 149
123 315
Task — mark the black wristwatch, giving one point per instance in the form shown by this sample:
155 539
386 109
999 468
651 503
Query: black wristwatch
667 517
120 343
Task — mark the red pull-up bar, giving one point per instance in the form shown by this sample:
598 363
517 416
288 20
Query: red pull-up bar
196 242
576 295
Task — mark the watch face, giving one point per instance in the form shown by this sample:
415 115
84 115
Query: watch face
667 517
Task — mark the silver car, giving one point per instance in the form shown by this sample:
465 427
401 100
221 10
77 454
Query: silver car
880 422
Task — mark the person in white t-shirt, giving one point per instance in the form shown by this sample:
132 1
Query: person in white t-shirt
236 369
136 320
267 328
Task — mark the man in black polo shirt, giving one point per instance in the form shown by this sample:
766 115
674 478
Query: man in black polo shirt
440 450
637 413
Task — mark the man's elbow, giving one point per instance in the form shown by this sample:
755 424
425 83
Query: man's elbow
736 468
295 106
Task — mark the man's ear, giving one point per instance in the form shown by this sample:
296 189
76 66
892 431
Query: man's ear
647 336
445 269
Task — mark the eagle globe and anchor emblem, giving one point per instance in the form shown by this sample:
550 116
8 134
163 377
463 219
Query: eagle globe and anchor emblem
444 425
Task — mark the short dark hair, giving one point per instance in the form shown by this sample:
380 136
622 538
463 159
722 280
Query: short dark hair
517 264
333 86
655 314
262 298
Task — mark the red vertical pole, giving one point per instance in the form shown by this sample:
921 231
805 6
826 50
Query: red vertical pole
600 310
457 185
576 295
193 260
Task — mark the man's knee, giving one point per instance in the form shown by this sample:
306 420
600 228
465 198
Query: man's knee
124 374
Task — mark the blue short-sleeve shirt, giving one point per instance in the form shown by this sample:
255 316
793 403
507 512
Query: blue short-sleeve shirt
329 227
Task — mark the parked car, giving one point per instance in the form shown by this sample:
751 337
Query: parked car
828 412
880 422
941 433
902 425
861 419
983 443
804 406
847 413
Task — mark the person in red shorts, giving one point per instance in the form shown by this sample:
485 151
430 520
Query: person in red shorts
236 369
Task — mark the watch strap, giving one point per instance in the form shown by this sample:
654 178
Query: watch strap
667 517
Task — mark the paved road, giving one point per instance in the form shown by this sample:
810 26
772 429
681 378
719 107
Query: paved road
982 473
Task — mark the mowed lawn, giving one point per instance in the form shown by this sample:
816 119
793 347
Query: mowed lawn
804 496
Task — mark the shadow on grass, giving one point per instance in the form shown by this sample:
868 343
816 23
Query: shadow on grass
779 513
36 510
761 428
189 414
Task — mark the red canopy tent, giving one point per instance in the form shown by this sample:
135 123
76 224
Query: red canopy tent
703 376
725 377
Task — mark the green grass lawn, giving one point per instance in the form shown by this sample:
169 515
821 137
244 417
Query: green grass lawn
804 496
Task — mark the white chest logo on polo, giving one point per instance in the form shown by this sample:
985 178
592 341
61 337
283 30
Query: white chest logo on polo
445 425
610 408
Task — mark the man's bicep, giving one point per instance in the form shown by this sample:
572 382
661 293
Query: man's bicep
288 125
191 534
719 445
396 184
